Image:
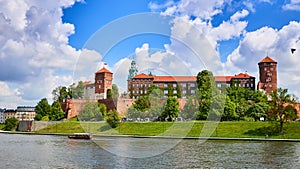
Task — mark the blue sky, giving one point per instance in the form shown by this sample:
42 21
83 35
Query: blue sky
49 43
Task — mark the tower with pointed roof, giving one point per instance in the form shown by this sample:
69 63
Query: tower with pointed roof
133 70
267 75
103 83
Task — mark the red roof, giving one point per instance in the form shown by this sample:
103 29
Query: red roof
267 59
142 76
87 83
174 78
222 78
242 76
103 70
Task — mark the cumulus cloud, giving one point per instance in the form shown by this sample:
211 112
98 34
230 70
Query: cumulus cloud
275 43
293 5
34 48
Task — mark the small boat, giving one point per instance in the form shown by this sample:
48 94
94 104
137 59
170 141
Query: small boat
87 136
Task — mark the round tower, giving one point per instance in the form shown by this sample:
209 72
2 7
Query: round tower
267 75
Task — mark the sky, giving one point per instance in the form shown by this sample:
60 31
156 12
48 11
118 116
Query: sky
49 43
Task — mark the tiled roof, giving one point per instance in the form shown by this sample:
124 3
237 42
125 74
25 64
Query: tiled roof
242 76
174 78
103 70
222 78
86 83
267 59
142 76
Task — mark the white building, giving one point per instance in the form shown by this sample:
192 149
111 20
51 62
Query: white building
25 113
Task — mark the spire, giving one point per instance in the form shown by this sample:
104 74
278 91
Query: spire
133 70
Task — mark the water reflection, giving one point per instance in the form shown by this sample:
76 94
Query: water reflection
25 151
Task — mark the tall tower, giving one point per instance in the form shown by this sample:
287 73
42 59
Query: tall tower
133 70
267 75
103 82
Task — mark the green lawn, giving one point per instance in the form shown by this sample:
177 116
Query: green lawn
240 129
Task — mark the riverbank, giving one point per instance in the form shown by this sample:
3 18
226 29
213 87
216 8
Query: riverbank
196 129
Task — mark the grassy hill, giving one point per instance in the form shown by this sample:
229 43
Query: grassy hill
240 129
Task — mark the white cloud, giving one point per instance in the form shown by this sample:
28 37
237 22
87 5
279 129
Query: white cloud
277 44
35 55
293 5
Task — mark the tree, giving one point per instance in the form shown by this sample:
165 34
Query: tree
142 103
102 108
61 93
229 111
171 110
190 108
43 108
56 112
76 91
91 112
206 90
115 91
10 124
113 118
109 94
279 106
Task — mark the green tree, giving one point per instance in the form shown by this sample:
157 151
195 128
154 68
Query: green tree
171 110
206 91
279 109
102 108
257 110
109 94
91 112
229 111
142 103
76 91
10 124
113 118
115 91
43 108
56 112
190 108
178 89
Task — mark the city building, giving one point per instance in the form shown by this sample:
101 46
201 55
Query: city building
2 116
9 113
185 85
24 113
267 75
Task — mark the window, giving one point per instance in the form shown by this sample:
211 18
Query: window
192 91
165 85
183 84
165 91
99 86
174 85
247 85
271 69
219 85
149 85
174 91
184 91
265 69
251 84
192 84
270 85
142 91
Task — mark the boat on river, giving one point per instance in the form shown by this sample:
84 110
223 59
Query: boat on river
86 136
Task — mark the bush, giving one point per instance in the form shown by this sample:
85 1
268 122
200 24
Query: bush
10 124
113 118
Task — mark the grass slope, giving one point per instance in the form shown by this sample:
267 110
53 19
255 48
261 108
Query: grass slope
240 129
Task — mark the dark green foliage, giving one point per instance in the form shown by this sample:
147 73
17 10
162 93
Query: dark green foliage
109 94
92 111
229 111
76 91
102 108
113 118
171 110
279 109
43 108
178 89
38 117
190 108
56 112
142 104
10 124
206 91
115 91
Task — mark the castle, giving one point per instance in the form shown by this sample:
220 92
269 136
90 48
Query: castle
139 84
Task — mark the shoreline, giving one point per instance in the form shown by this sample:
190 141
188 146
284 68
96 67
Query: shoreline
160 137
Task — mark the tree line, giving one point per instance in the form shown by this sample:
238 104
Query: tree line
232 103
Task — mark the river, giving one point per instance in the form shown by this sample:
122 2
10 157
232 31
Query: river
36 151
